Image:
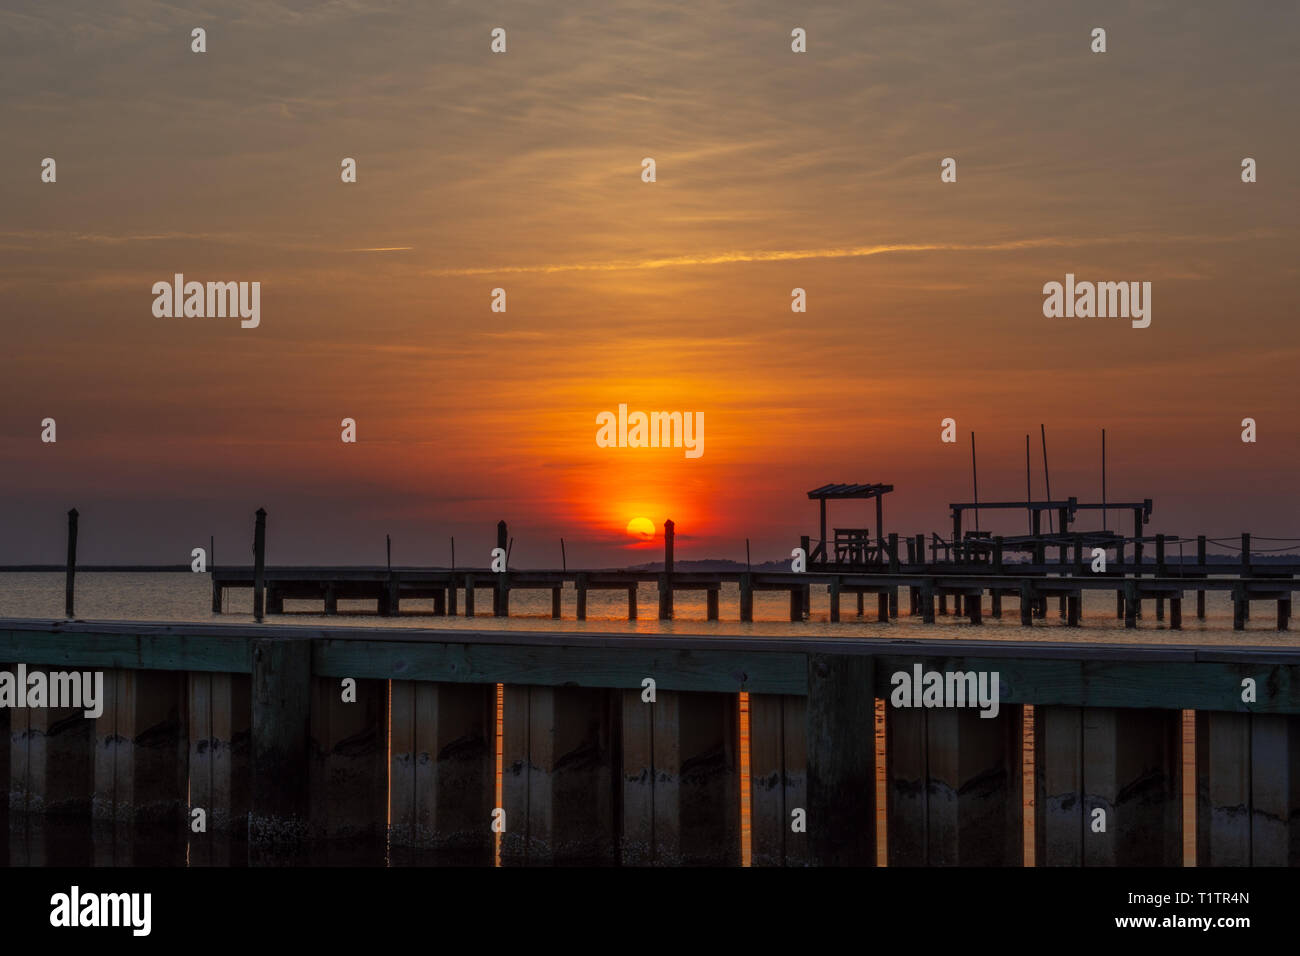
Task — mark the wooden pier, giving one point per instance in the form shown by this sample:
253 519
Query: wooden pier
973 565
972 588
254 726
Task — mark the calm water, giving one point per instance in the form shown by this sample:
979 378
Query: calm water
185 596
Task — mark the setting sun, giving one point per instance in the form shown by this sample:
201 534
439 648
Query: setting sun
641 528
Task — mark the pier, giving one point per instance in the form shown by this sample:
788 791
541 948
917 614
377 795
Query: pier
969 568
252 724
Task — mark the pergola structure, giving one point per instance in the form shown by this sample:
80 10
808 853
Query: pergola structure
854 535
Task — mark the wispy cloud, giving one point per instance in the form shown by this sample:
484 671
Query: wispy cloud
850 252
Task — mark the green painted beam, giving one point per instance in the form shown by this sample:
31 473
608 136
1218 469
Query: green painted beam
624 667
162 652
1173 685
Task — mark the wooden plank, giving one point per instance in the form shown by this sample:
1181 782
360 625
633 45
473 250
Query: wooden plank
1126 763
1247 789
141 748
443 767
953 783
1275 790
584 667
1174 684
681 784
778 774
560 775
220 731
840 734
63 648
281 692
349 759
51 761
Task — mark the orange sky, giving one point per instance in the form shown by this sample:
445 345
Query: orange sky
522 171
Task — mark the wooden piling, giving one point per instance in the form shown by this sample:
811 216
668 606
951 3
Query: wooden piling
927 604
469 595
841 760
1132 604
1028 598
1200 564
281 692
882 606
443 767
581 584
666 579
501 588
1176 612
560 757
631 603
220 735
953 782
451 596
557 603
1126 762
746 597
778 775
1072 602
710 600
833 590
69 589
259 562
796 603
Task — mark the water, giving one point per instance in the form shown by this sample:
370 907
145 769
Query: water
186 597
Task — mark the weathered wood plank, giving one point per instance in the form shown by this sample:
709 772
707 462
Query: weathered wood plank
105 650
1124 762
564 666
1172 684
51 761
560 775
220 731
953 783
349 759
1247 789
681 784
141 748
778 774
443 766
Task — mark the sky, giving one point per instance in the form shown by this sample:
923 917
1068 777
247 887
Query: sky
522 170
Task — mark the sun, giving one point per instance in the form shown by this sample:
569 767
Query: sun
641 528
